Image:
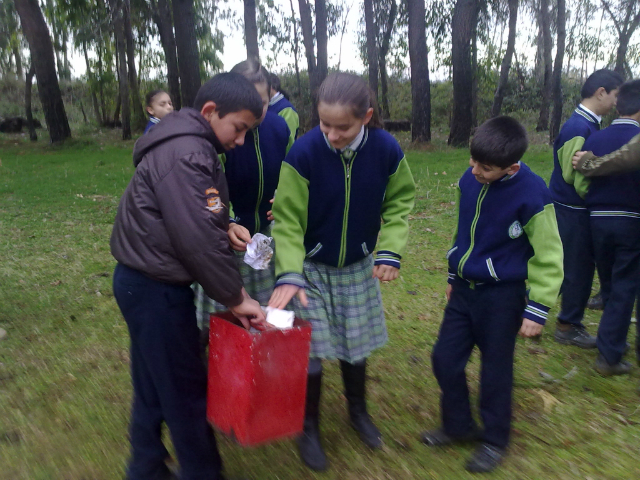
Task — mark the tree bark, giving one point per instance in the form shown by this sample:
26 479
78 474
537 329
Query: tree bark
461 31
372 48
251 30
296 50
545 26
474 68
384 50
187 48
91 77
117 16
18 58
322 39
139 118
420 85
506 61
33 136
556 119
42 58
317 66
162 18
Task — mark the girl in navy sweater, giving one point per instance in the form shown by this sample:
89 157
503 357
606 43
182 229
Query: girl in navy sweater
336 185
158 105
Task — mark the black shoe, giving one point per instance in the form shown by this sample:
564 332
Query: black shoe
605 369
311 451
595 302
354 377
438 438
573 335
485 458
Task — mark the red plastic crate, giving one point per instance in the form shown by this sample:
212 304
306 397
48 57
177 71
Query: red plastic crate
257 381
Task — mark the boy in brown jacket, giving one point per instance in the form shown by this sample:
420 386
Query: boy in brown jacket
171 230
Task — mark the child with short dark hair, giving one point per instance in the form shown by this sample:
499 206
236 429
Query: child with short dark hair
339 181
171 230
506 233
614 206
158 104
281 105
568 189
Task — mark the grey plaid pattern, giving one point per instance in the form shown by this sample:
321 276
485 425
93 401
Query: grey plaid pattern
258 284
345 310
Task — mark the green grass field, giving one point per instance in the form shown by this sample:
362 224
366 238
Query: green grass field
64 380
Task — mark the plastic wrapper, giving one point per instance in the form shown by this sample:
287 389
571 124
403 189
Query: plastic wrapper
259 252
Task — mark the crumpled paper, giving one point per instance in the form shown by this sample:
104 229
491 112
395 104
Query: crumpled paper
259 252
279 318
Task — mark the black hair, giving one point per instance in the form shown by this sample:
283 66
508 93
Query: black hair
350 90
231 92
607 79
151 95
629 98
253 71
275 84
500 141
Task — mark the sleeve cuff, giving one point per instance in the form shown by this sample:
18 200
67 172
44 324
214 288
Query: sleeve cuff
536 312
296 279
451 276
385 257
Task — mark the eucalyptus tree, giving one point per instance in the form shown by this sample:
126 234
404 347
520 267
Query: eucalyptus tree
506 60
10 40
116 8
372 48
163 18
251 30
556 119
544 19
625 15
420 85
184 20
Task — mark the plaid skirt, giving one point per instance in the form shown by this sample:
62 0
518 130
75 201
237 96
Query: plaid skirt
258 284
345 310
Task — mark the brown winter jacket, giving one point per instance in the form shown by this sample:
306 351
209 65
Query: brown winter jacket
173 218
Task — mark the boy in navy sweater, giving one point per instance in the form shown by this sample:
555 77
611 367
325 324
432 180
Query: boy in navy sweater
568 189
506 234
614 206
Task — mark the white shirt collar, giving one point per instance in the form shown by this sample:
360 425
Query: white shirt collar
356 141
597 117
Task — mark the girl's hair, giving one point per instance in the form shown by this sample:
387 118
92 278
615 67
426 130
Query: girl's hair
253 71
151 95
275 84
350 90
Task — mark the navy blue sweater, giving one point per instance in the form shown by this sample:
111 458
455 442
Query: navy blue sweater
507 231
569 187
253 169
615 195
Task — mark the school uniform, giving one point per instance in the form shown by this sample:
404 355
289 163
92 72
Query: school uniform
506 234
614 206
152 121
283 107
252 171
568 188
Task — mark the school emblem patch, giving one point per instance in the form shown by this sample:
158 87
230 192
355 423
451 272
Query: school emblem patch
515 230
214 204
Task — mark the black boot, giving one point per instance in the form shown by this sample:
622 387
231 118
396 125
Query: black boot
311 451
354 377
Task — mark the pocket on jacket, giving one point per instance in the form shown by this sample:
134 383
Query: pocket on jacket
314 251
492 270
451 250
365 250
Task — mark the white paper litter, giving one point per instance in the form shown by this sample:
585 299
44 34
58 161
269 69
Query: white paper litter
259 252
279 318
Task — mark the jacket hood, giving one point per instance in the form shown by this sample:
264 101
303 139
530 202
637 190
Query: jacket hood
186 122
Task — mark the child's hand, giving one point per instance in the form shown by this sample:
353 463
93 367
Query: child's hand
385 273
283 294
448 291
270 212
239 236
530 328
576 158
249 313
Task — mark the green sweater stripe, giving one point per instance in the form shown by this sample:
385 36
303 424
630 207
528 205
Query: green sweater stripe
569 174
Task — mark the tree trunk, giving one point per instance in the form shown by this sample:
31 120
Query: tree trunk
139 118
117 15
474 69
556 119
464 13
506 61
384 50
296 49
162 18
187 48
313 65
251 30
420 86
90 76
33 136
322 38
42 58
372 48
545 26
103 102
18 58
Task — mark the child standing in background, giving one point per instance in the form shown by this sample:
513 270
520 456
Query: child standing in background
281 105
158 105
337 183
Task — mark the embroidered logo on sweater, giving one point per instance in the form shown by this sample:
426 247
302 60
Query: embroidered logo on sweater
515 230
214 204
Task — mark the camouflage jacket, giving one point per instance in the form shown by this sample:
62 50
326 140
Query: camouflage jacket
626 159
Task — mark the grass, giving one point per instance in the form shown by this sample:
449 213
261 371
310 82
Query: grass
64 379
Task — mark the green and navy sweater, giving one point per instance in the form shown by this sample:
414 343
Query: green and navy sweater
507 231
283 107
569 187
614 195
330 204
253 169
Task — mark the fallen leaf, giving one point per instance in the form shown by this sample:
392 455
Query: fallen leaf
56 283
548 400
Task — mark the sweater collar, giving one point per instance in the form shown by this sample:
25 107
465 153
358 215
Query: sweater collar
625 121
588 114
276 98
355 145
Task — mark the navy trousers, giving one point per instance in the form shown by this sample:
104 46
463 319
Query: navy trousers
169 379
490 317
579 264
616 242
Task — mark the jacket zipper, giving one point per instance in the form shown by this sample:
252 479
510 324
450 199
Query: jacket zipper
260 178
347 188
465 257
